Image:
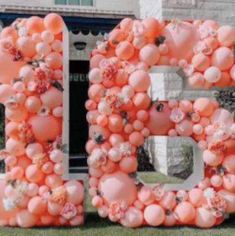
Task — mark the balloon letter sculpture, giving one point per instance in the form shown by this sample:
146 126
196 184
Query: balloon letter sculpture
31 77
121 116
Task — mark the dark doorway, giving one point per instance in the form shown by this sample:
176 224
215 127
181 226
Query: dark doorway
78 126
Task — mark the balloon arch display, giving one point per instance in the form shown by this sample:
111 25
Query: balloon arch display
121 116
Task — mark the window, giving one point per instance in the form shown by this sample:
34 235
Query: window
75 2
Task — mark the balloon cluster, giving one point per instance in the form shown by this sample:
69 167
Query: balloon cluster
121 115
31 78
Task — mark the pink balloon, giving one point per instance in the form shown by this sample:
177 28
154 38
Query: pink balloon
124 50
27 46
118 187
203 106
34 174
185 212
212 74
184 128
57 46
47 36
52 98
149 54
154 215
43 49
54 60
204 218
33 104
56 155
75 192
139 80
9 68
146 196
133 218
37 205
42 123
6 91
33 148
25 219
222 58
226 35
54 209
201 62
53 181
34 25
27 73
211 158
54 23
18 115
15 147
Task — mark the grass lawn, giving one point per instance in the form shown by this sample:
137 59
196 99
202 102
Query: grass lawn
95 226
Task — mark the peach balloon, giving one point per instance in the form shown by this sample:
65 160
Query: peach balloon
222 58
168 201
6 91
203 106
75 192
52 98
229 182
201 62
33 149
25 219
146 196
149 54
54 23
56 156
53 181
118 187
34 25
37 205
139 80
33 104
27 73
229 163
15 147
34 174
32 189
226 35
54 209
230 200
128 165
96 92
133 218
27 46
196 197
154 215
136 138
152 27
184 128
124 50
43 49
47 36
57 46
212 74
9 68
40 124
181 39
212 159
204 218
115 123
185 212
9 32
160 112
54 60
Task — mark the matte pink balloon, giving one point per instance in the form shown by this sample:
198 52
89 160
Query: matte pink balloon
15 147
226 35
222 58
9 68
75 192
27 46
185 212
33 149
40 124
37 205
54 60
149 54
25 219
133 218
34 25
54 23
34 174
52 98
139 80
124 50
118 187
154 215
204 218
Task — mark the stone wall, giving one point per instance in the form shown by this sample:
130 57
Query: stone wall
222 11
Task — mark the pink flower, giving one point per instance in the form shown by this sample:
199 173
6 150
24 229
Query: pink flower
109 70
25 133
117 209
177 115
69 211
217 204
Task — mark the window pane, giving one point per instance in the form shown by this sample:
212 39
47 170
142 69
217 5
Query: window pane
87 2
74 2
62 2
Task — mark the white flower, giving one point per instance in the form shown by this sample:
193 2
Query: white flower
209 193
22 32
9 204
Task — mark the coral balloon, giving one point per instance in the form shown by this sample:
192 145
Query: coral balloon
54 23
139 80
34 25
149 54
